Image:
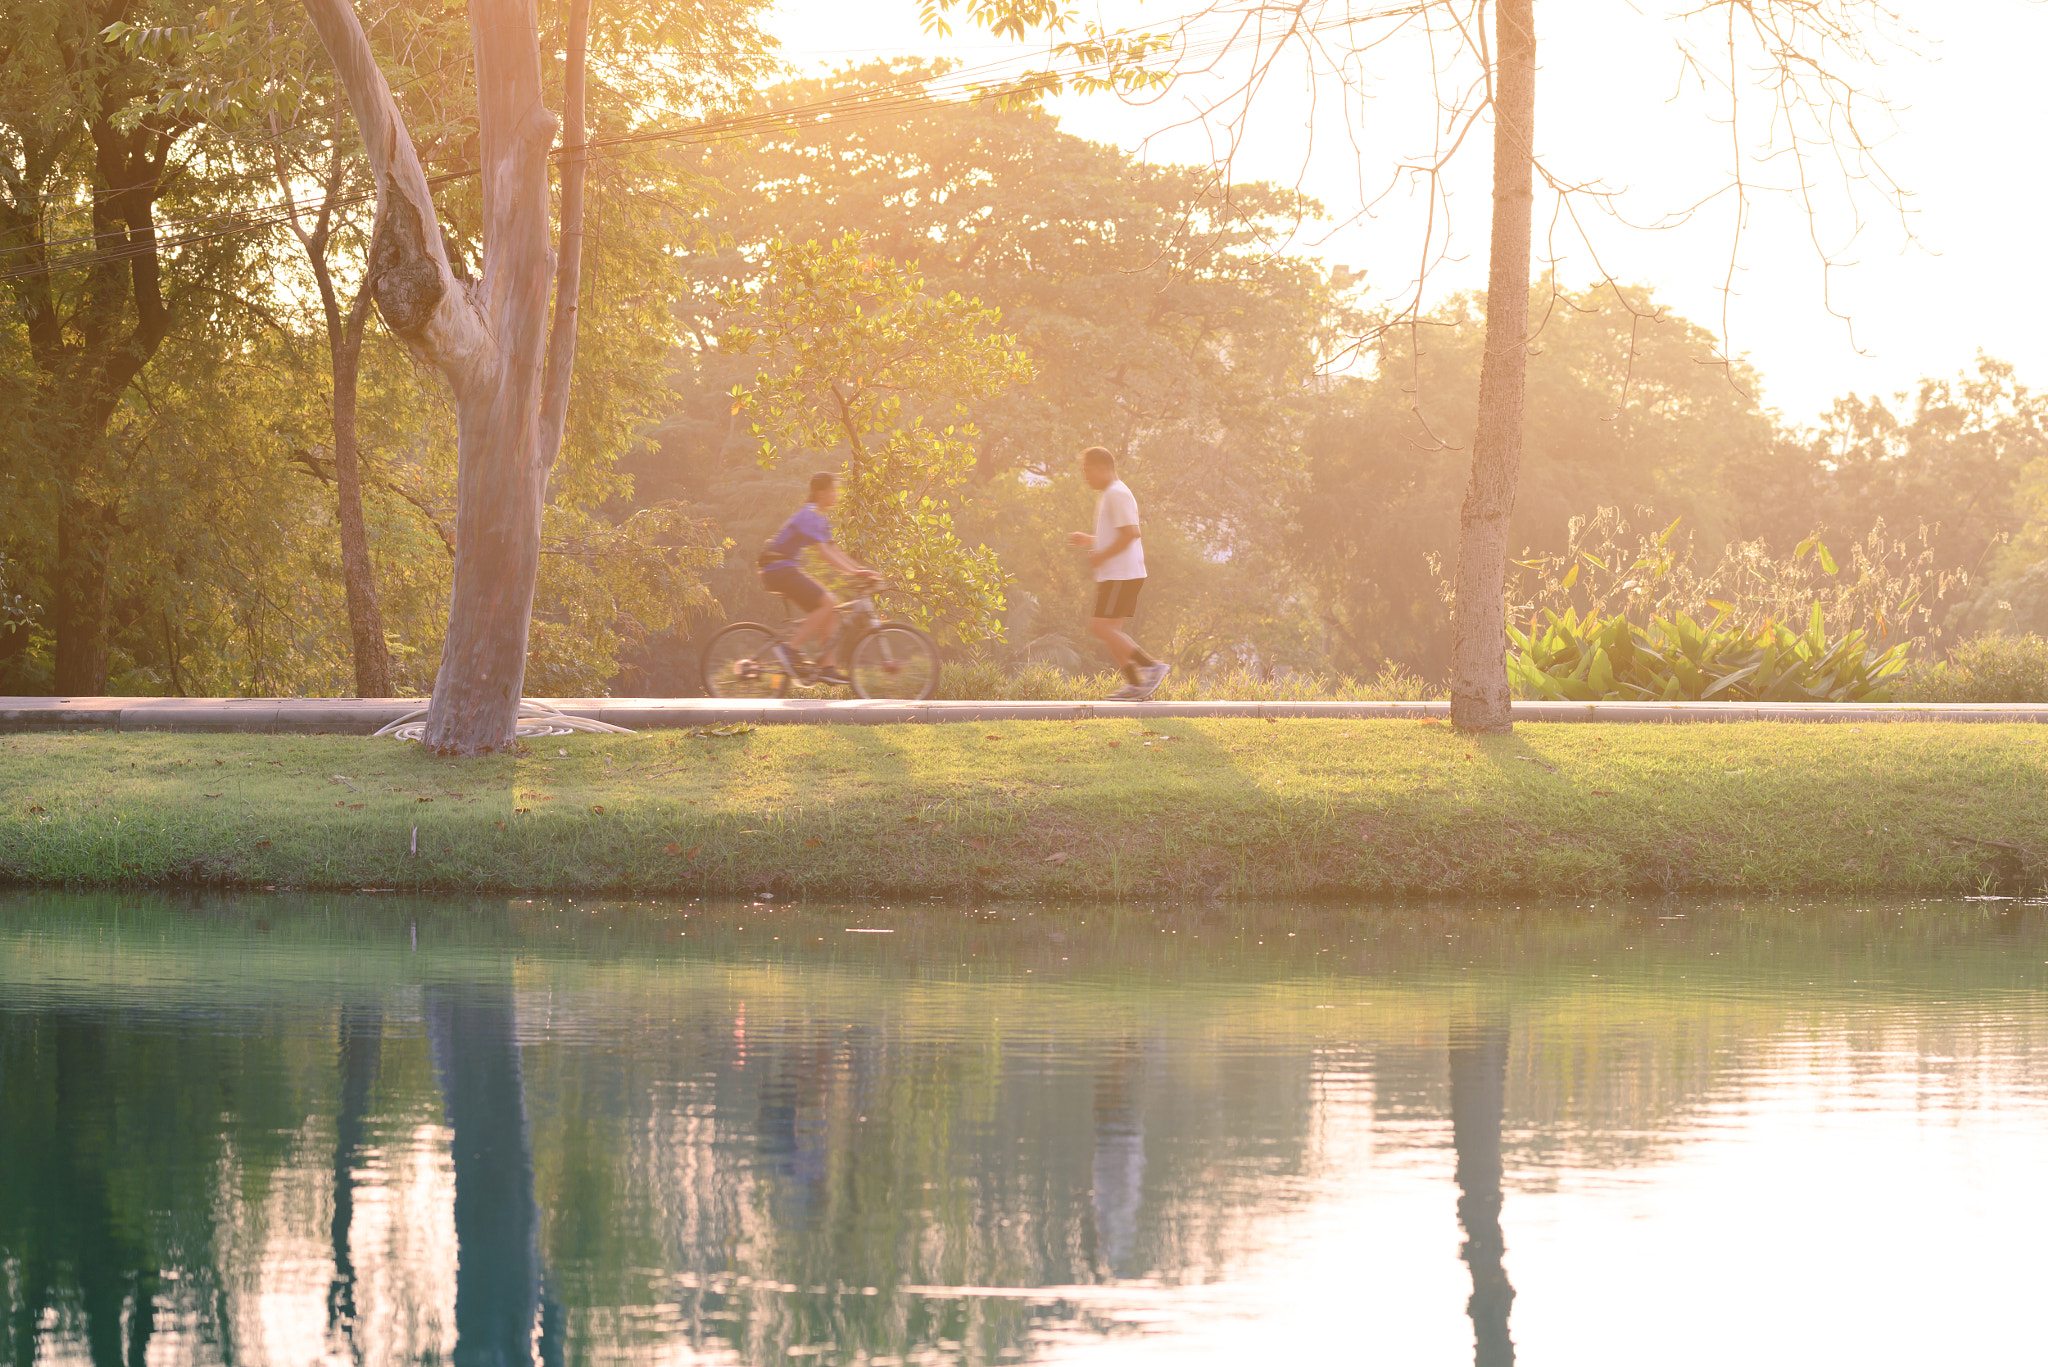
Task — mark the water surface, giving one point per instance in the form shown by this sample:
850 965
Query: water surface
296 1130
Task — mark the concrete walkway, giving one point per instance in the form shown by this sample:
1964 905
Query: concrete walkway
353 716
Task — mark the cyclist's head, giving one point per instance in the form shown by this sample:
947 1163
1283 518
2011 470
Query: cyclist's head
824 488
1098 467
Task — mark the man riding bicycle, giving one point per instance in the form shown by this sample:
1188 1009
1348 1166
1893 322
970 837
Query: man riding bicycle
781 573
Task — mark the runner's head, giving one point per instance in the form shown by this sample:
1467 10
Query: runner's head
824 489
1098 467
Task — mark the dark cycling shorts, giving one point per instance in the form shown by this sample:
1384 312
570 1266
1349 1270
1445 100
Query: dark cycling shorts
793 584
1117 598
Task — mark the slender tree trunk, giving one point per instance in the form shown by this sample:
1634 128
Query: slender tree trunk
1479 1074
78 610
365 621
1479 676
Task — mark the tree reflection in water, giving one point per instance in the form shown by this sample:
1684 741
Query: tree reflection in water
497 1223
1479 1075
362 1037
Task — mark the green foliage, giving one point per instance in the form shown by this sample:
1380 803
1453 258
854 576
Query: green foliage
1989 668
1569 658
1887 589
857 356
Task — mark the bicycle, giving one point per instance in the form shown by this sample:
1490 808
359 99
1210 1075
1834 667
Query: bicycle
881 659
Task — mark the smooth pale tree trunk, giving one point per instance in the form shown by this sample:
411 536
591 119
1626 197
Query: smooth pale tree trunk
1479 676
1479 1079
490 339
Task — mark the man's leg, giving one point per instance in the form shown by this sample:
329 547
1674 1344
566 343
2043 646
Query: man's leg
817 624
1110 631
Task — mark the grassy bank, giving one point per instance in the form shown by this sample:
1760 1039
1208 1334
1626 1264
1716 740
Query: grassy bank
1096 809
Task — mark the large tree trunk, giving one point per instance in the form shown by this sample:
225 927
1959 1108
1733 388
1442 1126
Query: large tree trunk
490 340
85 362
1479 676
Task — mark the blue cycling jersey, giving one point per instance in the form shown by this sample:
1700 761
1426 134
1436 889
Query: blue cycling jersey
808 527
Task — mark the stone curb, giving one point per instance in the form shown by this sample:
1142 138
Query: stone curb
361 716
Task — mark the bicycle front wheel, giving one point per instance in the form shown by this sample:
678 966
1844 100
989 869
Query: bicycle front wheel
737 664
895 661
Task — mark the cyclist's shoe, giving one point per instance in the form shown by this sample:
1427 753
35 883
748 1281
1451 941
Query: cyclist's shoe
1150 677
831 674
786 658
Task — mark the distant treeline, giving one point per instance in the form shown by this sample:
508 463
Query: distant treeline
1301 499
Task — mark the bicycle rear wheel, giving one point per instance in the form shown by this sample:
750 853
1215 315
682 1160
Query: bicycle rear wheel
896 661
737 664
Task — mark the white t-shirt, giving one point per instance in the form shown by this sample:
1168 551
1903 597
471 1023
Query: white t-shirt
1118 507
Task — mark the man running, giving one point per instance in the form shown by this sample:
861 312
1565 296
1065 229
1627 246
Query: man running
1118 558
780 573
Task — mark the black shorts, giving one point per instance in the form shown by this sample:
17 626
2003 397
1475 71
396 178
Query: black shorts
1117 598
793 584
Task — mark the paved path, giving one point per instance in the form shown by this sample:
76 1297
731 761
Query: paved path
353 716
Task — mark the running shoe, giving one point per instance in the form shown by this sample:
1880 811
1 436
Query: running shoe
1128 693
1151 676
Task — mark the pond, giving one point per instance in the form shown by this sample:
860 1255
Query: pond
377 1129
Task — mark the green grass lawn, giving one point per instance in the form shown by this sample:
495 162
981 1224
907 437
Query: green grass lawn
1093 809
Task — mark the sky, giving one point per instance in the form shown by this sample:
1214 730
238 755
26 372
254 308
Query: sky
1960 272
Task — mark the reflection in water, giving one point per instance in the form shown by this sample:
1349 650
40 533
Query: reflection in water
497 1277
1119 1159
1479 1080
362 1031
249 1132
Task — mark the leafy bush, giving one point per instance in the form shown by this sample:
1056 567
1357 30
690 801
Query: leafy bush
1591 659
1991 668
1889 590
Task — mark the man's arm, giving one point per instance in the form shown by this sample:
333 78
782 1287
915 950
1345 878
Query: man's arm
1124 537
840 560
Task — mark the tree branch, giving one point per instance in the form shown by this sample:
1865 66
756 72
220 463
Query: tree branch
554 404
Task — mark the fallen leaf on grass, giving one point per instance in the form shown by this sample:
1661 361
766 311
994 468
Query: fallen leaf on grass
991 737
672 849
423 799
1059 858
220 761
1603 792
1431 721
984 871
263 844
209 795
35 809
813 843
1531 759
691 853
516 811
736 728
1113 744
598 808
355 806
976 844
501 825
